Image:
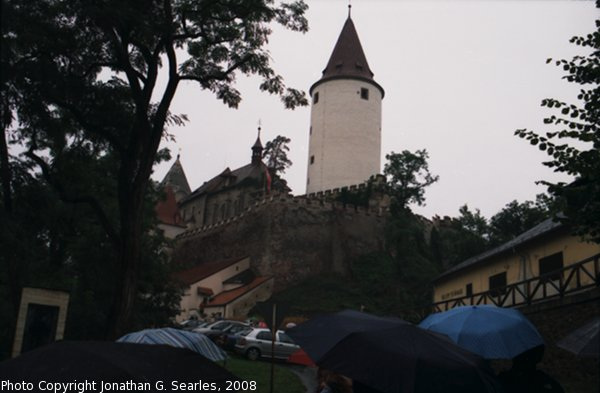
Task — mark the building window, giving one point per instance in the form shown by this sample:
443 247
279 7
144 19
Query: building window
312 160
551 264
310 130
316 98
498 284
364 93
469 289
307 181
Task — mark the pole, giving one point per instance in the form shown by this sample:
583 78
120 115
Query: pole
273 333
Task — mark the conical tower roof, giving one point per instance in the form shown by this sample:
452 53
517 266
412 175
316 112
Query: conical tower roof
348 60
176 178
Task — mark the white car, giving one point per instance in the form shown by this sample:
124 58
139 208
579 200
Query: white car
257 342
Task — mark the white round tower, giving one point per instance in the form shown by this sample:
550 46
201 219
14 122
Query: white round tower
345 125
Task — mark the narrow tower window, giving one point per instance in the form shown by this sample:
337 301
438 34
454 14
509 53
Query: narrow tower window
364 93
312 159
316 98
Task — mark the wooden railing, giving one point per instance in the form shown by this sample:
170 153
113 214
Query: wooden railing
577 277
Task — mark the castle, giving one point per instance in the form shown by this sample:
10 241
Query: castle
244 213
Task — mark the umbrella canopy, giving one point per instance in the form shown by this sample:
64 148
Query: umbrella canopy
196 342
405 358
489 331
129 366
583 341
301 357
318 335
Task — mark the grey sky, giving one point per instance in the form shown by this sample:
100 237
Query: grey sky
459 76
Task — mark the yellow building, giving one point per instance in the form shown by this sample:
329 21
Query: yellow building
543 263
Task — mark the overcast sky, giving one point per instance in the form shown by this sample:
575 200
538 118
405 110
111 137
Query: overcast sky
460 77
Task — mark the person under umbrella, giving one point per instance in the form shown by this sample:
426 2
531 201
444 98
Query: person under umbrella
524 377
407 359
317 335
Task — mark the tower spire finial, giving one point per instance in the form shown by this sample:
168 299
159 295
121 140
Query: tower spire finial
349 9
259 127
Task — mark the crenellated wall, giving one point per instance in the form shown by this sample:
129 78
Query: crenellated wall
289 237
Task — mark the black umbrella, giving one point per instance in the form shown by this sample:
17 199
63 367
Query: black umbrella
152 368
318 335
406 358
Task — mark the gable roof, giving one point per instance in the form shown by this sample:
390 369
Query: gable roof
537 231
204 270
229 178
226 297
348 59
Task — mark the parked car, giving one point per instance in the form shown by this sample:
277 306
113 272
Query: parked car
191 324
221 326
257 342
220 330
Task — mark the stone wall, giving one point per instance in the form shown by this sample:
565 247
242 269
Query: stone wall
290 238
556 319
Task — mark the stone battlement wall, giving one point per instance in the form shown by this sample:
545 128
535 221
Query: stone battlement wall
323 200
290 238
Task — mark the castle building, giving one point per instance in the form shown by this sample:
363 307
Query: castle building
230 192
345 124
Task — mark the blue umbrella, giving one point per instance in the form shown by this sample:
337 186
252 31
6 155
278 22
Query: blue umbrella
196 342
489 331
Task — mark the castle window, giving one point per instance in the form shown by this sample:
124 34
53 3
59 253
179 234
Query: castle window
310 130
316 98
551 263
498 284
312 159
364 93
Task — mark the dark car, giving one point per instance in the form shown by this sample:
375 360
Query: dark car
220 330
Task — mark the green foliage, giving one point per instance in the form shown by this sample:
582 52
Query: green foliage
516 218
457 239
275 155
79 86
358 197
407 176
574 143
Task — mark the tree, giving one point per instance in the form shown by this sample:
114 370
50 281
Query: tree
574 146
275 155
83 76
407 176
516 218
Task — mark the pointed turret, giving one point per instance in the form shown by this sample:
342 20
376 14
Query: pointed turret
348 59
177 180
257 150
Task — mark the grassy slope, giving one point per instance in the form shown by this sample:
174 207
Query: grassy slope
260 372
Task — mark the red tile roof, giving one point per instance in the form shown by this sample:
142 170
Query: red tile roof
203 270
226 297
